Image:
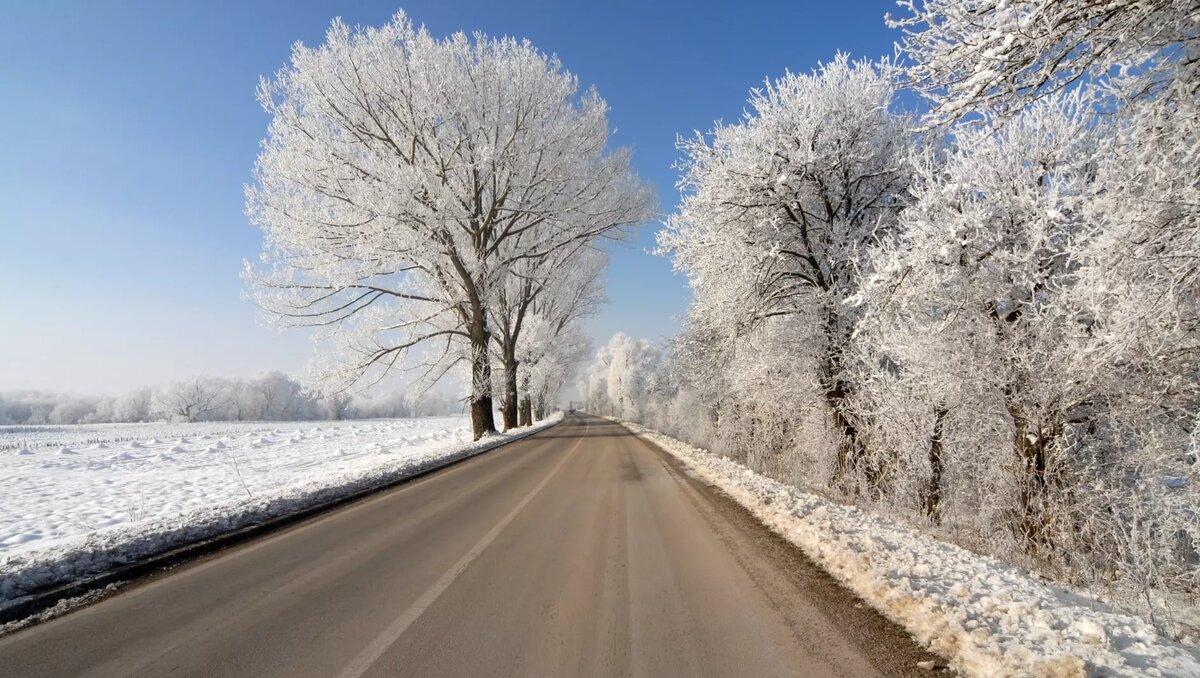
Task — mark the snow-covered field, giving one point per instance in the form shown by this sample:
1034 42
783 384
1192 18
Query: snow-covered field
75 500
986 618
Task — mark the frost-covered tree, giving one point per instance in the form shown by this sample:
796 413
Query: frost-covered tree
404 177
272 396
622 377
1005 346
1141 295
554 343
1031 338
779 208
997 56
135 406
976 288
551 360
71 412
197 399
206 398
549 296
337 406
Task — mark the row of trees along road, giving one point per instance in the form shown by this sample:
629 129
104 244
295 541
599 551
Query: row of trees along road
437 203
984 317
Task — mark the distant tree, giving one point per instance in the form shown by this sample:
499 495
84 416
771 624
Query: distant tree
621 380
273 396
197 399
433 404
71 411
135 406
103 410
14 409
535 315
338 405
553 369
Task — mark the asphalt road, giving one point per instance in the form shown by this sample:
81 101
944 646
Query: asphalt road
578 551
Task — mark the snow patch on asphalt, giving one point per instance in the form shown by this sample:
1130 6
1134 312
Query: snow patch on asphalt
985 617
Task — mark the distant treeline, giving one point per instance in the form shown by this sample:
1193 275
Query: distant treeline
272 396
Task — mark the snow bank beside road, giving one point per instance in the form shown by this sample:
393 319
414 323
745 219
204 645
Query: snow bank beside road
77 501
985 617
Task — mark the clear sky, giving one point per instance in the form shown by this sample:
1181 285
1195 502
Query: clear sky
131 127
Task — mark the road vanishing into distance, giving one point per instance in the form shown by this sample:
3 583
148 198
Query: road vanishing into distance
581 550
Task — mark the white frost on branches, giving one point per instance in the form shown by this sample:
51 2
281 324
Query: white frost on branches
996 56
781 207
405 178
985 320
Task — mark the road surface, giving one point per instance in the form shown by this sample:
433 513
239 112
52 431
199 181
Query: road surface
579 551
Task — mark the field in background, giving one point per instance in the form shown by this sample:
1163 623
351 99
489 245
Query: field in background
64 483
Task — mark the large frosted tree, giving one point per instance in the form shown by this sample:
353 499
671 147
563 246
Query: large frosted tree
779 207
976 291
1075 126
404 178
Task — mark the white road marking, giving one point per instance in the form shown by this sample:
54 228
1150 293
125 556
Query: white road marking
360 664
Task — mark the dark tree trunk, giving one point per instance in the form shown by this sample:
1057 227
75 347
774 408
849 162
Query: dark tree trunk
851 452
850 455
1033 445
526 414
937 467
483 421
508 408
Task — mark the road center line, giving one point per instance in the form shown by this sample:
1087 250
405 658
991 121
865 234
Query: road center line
359 665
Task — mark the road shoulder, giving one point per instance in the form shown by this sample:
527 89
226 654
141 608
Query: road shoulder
73 593
786 574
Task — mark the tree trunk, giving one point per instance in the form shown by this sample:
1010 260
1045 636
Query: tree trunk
851 454
483 421
526 414
1033 445
508 407
937 467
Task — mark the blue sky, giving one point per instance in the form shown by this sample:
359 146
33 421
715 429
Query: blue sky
131 128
